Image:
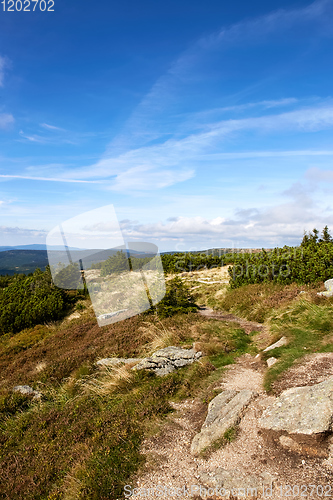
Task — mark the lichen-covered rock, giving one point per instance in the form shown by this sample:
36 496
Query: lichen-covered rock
301 410
224 411
166 360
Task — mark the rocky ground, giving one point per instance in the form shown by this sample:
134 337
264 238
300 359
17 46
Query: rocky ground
255 458
170 462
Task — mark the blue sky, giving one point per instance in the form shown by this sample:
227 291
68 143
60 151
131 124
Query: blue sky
205 124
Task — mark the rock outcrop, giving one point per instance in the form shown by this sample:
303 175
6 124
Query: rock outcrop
224 411
167 360
162 362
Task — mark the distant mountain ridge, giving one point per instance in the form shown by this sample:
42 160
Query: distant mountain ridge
34 247
26 258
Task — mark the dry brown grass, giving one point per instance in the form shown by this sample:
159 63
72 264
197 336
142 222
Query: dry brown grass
109 380
158 337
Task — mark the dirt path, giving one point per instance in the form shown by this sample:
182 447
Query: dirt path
249 326
170 463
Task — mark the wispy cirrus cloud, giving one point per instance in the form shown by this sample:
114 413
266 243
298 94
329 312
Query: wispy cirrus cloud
132 163
52 127
162 165
145 123
33 137
261 105
173 152
52 179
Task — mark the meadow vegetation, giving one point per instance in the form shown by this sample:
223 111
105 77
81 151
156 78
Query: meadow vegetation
82 439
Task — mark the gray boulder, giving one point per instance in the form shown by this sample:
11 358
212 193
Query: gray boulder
224 411
167 360
301 410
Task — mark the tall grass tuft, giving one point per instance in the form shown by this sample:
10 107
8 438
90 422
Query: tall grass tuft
158 337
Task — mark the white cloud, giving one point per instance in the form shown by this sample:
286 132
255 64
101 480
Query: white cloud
21 236
270 225
277 21
318 175
266 154
243 107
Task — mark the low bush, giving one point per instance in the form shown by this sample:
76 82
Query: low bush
177 299
311 262
29 301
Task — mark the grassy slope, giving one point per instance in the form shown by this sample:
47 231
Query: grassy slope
82 441
304 318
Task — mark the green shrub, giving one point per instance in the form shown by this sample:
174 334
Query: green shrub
29 301
311 262
177 299
115 264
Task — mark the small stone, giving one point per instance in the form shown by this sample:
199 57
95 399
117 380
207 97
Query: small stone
271 361
289 443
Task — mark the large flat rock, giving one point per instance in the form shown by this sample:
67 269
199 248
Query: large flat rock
224 412
301 410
